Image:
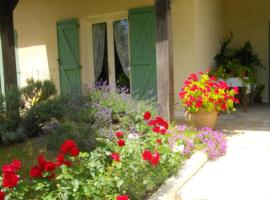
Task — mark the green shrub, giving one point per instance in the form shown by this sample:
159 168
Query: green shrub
81 133
99 112
11 137
40 113
36 92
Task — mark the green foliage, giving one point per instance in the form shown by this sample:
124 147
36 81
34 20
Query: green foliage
257 94
12 100
98 112
40 113
96 176
37 92
11 137
242 63
27 108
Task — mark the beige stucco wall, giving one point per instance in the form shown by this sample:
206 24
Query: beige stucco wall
249 20
197 31
35 22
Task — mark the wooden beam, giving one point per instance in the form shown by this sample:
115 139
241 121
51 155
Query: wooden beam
8 44
164 55
8 51
12 4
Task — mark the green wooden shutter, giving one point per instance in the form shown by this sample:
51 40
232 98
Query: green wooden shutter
69 56
2 81
142 27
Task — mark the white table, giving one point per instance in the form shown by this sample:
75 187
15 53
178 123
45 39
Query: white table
237 82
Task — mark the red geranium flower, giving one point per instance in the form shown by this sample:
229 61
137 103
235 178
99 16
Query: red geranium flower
121 143
147 115
159 141
119 134
2 195
122 197
41 161
74 152
17 164
115 156
8 168
69 147
36 172
155 159
49 166
147 155
10 180
236 91
61 160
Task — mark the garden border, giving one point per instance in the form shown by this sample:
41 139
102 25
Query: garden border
169 190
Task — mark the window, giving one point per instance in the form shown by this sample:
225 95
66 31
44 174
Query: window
111 52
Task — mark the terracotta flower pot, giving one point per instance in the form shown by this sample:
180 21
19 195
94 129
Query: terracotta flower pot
202 118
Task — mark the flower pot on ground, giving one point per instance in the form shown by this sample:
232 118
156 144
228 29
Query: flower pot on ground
202 118
203 96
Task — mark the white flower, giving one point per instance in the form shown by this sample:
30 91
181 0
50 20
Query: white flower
178 148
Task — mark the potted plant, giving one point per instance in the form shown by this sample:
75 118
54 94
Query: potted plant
203 96
240 63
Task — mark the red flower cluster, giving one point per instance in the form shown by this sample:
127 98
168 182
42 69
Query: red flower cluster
147 115
122 197
152 158
10 178
206 92
159 125
2 195
68 148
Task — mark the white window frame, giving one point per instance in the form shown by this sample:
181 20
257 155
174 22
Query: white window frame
87 55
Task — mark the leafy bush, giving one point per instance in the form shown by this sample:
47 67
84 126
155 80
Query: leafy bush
40 113
37 92
12 102
99 112
11 137
27 108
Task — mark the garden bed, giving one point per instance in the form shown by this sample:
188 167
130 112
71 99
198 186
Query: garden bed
111 147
